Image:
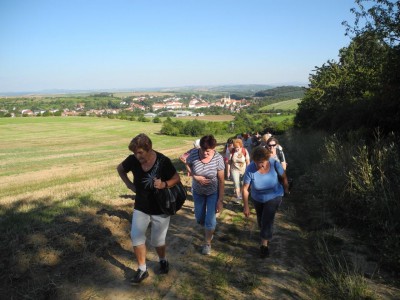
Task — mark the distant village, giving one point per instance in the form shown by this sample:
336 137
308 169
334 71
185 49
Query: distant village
171 104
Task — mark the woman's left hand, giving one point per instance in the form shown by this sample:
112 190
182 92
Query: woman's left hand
220 205
246 211
158 184
201 179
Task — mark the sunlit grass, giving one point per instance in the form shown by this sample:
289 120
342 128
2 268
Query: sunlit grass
38 154
291 104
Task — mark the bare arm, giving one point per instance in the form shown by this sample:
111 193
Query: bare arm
183 157
247 158
245 196
124 176
285 183
228 169
221 190
188 169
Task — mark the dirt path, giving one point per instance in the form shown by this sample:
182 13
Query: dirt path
233 271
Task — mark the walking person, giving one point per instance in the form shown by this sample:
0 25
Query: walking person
247 142
144 164
207 169
262 177
227 154
238 161
277 151
184 156
264 139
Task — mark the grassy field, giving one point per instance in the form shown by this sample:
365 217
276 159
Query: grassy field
281 118
40 153
283 105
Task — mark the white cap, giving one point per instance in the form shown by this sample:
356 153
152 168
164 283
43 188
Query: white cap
196 143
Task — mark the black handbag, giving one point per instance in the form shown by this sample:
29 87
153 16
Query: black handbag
170 200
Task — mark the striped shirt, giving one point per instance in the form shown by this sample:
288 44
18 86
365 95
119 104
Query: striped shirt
208 170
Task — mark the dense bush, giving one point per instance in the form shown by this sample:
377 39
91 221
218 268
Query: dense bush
360 191
193 128
346 196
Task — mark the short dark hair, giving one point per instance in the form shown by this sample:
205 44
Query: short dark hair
141 141
260 153
272 139
208 142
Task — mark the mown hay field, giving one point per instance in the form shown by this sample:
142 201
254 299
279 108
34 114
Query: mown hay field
42 157
56 176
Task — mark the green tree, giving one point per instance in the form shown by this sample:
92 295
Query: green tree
381 17
244 123
194 128
340 93
169 129
157 120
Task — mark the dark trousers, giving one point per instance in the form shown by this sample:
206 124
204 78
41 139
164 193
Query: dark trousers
266 215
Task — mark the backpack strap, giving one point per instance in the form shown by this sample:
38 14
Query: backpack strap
244 152
232 151
276 170
279 154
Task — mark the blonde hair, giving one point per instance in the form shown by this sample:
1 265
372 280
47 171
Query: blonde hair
266 136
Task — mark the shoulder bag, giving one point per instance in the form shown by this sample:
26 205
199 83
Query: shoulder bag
171 199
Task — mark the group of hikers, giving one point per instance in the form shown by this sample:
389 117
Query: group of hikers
256 166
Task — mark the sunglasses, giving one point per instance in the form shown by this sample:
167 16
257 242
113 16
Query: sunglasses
271 145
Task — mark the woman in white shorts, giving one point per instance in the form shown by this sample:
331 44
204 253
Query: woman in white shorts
145 164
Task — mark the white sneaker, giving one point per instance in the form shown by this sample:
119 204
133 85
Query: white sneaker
206 250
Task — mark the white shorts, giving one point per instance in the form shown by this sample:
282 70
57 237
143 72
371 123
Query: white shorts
140 223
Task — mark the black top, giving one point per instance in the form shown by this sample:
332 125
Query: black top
144 181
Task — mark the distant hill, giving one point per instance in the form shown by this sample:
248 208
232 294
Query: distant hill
288 92
247 89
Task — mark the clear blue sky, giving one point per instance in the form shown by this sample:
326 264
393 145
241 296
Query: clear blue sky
128 44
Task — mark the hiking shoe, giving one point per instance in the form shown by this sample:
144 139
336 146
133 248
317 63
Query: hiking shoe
264 251
139 276
206 250
164 267
237 200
